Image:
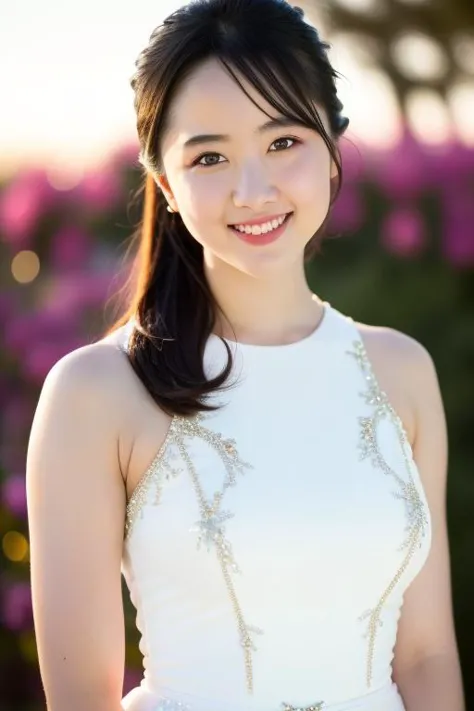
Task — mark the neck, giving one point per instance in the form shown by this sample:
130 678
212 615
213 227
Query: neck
273 310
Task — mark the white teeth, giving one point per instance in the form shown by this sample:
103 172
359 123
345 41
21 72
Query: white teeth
263 228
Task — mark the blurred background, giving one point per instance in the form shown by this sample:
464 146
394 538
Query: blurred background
68 168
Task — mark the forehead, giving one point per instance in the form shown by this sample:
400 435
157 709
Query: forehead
210 98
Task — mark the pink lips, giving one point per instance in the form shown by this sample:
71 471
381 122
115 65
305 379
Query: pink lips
266 238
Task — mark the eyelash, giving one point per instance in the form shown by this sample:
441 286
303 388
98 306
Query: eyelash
197 160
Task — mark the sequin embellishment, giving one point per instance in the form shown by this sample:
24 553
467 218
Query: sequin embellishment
171 705
210 528
417 518
160 468
314 707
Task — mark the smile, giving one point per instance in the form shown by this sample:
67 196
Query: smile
263 231
261 227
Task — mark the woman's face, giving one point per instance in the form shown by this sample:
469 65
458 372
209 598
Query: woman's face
234 175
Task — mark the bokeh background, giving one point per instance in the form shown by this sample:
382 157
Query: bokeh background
68 171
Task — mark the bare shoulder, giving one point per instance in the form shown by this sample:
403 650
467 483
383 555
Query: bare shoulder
101 373
404 369
398 349
93 370
96 383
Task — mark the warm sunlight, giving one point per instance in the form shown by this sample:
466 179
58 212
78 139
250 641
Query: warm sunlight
66 99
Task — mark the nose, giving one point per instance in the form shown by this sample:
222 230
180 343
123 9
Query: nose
253 188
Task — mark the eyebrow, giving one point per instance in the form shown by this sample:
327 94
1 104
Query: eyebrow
280 122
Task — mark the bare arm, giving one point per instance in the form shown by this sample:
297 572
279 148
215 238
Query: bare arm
76 508
426 666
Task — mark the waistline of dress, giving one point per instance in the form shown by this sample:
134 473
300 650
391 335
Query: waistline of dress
140 698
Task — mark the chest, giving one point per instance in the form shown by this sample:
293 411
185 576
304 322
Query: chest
336 499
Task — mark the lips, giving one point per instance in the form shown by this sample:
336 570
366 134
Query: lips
262 225
263 231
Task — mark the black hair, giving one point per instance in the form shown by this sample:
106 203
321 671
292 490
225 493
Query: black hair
269 44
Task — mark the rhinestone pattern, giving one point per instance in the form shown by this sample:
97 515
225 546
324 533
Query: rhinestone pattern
314 707
416 515
172 705
210 528
160 469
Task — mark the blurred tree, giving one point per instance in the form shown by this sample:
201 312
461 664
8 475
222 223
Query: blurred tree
418 44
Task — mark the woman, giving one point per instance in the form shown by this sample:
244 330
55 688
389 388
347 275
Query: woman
280 469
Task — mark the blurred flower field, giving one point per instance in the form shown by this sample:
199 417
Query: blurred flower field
404 258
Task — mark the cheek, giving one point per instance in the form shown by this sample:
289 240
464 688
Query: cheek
201 198
308 180
201 201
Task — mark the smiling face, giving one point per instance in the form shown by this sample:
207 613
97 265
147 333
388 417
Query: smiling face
251 189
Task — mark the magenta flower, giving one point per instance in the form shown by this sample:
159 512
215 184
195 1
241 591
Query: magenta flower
349 210
403 232
22 203
42 355
14 494
100 190
17 610
70 248
126 157
403 173
132 678
458 234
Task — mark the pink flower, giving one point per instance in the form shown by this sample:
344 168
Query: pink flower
70 248
126 157
100 190
403 232
42 355
349 211
458 236
403 173
14 494
22 203
132 678
17 611
20 330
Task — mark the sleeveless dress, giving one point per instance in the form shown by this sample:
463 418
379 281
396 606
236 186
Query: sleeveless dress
268 546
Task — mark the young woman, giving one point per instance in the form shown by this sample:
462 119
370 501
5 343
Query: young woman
268 475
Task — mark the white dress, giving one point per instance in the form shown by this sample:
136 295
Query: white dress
269 545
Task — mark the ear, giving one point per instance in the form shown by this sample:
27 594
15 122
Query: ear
164 186
334 172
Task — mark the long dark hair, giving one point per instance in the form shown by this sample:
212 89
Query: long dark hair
268 43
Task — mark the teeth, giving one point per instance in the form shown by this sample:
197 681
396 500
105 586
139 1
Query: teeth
263 228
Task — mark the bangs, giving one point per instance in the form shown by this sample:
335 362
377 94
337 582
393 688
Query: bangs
274 79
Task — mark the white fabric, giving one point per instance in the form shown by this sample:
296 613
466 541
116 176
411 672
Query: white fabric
317 533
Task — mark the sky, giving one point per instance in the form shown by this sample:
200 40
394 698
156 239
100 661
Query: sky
64 82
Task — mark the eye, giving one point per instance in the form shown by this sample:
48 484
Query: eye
282 144
208 159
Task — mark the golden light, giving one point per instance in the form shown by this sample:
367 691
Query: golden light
15 546
25 266
428 117
366 6
460 100
419 57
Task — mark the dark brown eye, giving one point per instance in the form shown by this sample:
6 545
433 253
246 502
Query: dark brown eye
282 144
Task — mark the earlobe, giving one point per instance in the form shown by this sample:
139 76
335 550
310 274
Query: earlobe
334 172
164 186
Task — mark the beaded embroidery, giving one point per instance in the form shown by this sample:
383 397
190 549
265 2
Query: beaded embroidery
407 492
210 528
171 705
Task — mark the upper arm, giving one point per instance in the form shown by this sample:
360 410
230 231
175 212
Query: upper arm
426 625
76 510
